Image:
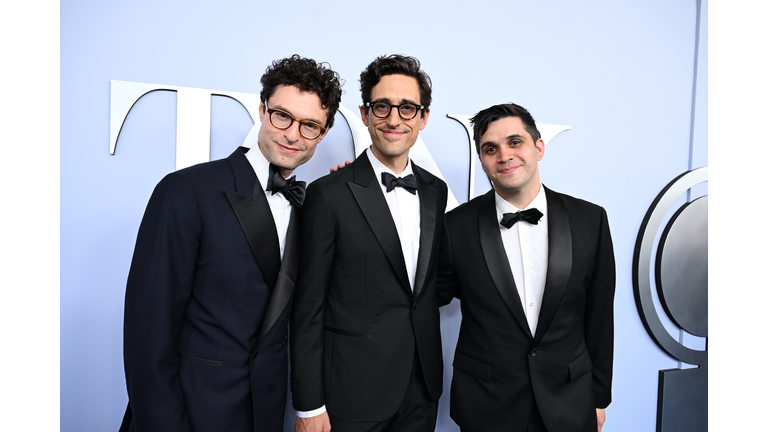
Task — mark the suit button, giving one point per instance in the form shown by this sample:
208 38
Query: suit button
253 356
532 353
282 340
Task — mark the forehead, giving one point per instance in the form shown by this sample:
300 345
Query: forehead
499 130
302 105
396 88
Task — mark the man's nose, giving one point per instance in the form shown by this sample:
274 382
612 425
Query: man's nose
292 133
394 117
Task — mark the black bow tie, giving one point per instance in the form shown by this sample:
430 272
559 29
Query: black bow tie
408 182
293 190
531 216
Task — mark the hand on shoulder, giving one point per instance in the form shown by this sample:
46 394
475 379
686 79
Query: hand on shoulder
340 166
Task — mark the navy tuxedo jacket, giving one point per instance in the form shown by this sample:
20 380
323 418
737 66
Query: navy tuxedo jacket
500 368
207 305
356 325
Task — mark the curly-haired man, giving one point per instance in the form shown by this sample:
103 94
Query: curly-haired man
208 294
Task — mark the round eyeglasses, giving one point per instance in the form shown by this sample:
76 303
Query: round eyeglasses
406 111
282 120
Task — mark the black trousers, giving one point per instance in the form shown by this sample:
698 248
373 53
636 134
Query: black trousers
417 412
535 424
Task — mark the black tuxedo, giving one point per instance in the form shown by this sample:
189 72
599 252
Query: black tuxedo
207 305
500 368
356 326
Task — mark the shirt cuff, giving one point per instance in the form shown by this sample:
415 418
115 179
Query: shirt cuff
313 413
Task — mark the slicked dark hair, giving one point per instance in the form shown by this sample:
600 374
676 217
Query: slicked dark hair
396 64
308 76
484 118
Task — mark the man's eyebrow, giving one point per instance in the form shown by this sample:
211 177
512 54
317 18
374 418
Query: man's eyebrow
513 136
402 101
506 139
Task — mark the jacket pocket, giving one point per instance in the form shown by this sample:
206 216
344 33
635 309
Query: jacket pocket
580 366
471 366
200 360
346 333
582 263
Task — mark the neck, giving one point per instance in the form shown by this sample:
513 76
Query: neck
520 199
395 163
285 172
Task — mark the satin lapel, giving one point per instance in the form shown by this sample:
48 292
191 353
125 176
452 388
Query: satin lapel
428 214
370 199
252 211
286 278
559 264
496 259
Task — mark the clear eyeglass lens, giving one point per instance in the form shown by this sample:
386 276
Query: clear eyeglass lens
407 110
309 130
381 109
281 119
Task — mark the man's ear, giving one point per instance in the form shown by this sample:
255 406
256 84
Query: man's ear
261 112
364 114
424 118
540 149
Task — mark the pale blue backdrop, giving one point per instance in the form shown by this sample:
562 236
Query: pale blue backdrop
625 75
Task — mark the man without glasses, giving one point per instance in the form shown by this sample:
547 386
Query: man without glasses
208 296
365 329
535 273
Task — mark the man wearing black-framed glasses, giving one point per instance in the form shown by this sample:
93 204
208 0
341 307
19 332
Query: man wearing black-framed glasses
382 109
365 330
209 291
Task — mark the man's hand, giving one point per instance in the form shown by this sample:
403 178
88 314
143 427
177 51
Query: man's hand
600 418
340 166
318 423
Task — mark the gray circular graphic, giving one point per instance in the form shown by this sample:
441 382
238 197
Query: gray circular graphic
676 256
681 267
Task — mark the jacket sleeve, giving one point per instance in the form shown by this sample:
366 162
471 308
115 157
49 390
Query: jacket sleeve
447 284
158 288
317 253
598 322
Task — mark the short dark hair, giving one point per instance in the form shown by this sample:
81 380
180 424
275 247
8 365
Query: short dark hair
308 76
484 118
396 64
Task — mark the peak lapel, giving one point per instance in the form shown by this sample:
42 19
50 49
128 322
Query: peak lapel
559 263
252 210
370 199
496 259
286 278
428 211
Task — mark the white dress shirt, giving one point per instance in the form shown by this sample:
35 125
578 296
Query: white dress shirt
278 204
527 249
404 207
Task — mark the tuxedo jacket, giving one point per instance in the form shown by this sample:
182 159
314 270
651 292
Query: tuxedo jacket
499 367
207 305
357 327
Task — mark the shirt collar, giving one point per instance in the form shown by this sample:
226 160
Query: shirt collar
539 202
260 165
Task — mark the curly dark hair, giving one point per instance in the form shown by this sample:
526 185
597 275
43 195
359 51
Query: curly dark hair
396 64
484 118
309 76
